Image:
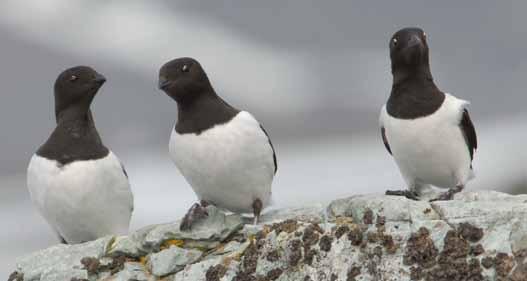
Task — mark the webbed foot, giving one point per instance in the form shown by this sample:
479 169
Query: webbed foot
406 193
196 213
449 195
257 210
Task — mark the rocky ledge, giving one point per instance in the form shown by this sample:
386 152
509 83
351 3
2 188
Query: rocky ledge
477 236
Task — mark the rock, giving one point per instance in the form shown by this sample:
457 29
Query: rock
477 236
124 245
131 271
61 262
171 260
207 234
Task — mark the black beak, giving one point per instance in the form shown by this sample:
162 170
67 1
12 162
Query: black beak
414 50
414 41
163 83
100 79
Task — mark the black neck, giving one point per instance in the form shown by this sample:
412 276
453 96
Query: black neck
411 72
74 112
414 94
203 113
75 138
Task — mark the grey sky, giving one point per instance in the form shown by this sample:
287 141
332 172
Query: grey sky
325 64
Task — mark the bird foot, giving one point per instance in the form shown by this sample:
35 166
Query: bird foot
196 213
257 210
449 195
406 193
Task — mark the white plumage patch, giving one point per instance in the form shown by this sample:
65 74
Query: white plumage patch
83 200
230 165
431 149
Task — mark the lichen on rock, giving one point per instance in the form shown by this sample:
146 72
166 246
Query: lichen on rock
477 236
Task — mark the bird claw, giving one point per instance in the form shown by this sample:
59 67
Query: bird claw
195 213
445 196
449 195
406 193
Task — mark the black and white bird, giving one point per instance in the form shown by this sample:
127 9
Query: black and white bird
429 133
77 184
223 153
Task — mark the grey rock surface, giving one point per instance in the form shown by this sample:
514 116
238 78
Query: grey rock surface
171 260
477 236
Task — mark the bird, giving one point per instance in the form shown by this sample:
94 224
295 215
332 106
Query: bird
428 132
224 153
76 183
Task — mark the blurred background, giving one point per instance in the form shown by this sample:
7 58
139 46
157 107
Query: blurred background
315 73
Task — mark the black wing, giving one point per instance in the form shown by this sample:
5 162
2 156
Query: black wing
385 140
124 170
272 147
469 132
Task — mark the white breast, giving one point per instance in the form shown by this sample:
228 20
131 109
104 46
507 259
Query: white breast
83 200
230 165
432 149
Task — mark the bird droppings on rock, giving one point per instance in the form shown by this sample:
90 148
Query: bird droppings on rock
215 273
470 232
420 249
325 243
368 217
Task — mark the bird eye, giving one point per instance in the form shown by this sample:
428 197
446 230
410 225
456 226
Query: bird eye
394 40
185 68
73 78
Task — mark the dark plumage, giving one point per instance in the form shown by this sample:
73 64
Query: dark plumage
199 107
75 137
470 133
78 185
416 123
224 153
